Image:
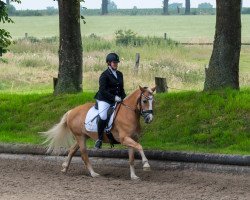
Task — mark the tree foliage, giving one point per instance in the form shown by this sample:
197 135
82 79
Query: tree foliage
205 5
112 5
5 37
175 5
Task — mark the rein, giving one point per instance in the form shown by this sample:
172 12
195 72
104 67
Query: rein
128 107
142 112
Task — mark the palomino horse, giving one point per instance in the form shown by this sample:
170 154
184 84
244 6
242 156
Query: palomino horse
71 132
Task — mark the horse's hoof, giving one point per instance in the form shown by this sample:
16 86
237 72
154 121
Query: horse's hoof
95 175
146 169
135 178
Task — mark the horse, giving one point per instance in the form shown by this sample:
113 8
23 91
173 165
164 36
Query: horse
71 131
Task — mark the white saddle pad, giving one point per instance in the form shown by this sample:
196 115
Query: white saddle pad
90 121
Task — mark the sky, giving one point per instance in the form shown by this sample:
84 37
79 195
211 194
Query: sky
90 4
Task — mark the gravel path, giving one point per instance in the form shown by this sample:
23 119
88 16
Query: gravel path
40 178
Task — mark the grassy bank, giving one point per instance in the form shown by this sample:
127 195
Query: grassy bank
191 121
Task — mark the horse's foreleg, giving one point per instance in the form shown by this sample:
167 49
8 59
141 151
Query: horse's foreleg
131 164
83 149
131 143
72 151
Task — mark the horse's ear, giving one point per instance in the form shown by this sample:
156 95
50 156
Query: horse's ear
153 89
141 88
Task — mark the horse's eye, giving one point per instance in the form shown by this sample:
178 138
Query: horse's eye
144 101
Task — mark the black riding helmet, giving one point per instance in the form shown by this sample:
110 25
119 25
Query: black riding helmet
112 57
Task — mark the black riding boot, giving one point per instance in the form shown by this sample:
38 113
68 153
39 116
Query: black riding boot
100 128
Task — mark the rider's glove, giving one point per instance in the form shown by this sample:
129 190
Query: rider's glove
118 99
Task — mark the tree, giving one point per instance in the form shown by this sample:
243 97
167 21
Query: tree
165 7
50 10
223 69
205 6
111 5
173 6
11 9
104 7
187 7
134 11
5 37
70 48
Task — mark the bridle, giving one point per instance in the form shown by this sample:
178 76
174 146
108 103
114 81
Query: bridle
142 112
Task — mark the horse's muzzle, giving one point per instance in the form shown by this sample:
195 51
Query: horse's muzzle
148 118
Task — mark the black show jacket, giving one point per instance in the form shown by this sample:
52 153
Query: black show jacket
110 86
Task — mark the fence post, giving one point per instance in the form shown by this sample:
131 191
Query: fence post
137 62
26 35
1 51
161 85
165 36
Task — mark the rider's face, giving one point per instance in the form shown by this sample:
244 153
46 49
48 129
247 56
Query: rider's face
114 65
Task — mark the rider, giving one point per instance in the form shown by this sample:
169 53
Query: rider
111 90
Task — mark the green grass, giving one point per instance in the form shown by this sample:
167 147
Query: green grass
180 28
191 121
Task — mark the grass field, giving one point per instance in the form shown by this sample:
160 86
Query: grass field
181 28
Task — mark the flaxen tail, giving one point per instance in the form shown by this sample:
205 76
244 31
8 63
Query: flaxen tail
59 137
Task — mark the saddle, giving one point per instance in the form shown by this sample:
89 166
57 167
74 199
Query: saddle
92 118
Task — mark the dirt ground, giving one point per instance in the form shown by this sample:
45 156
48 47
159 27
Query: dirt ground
41 179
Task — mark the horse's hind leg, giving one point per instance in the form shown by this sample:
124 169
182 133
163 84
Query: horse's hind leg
72 151
131 163
83 149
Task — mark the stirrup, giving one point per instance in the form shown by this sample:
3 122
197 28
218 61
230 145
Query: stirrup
98 144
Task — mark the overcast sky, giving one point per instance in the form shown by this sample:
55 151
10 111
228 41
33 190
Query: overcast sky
42 4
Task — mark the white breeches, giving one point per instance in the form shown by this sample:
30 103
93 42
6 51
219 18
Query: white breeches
103 109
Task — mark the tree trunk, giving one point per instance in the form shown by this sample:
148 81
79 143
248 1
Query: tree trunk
165 7
187 7
223 70
104 7
70 49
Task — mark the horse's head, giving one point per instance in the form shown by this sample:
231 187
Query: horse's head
146 102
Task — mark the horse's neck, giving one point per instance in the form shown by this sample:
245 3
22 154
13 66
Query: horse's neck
127 113
132 99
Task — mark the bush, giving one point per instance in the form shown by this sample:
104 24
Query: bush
128 37
125 38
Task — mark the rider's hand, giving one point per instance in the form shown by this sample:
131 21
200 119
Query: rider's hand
118 99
